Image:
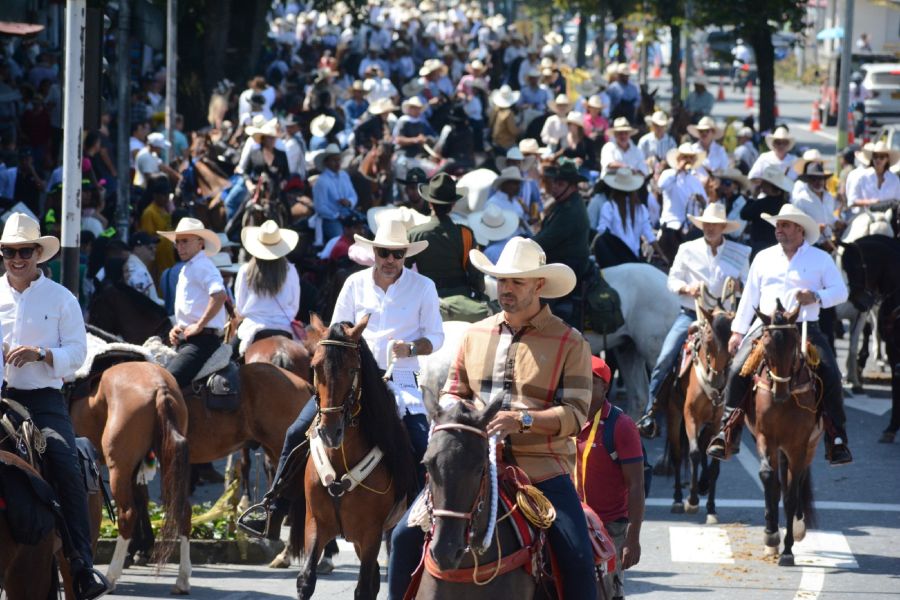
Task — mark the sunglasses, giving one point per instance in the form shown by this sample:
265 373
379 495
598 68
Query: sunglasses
879 157
25 253
384 253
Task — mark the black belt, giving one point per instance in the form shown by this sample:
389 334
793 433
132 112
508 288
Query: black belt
13 392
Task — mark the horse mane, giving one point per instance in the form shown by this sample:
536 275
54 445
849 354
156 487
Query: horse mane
378 419
721 328
132 295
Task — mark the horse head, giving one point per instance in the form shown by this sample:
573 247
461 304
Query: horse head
337 372
714 335
458 486
781 348
854 266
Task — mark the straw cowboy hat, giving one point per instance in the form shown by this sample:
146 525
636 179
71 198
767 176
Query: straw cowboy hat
553 38
22 229
414 102
595 101
659 118
268 241
623 179
775 175
441 189
504 97
431 65
321 125
715 213
508 174
685 150
622 124
379 215
809 156
268 128
706 123
392 235
516 153
575 118
524 259
560 100
781 133
733 174
330 150
381 106
493 224
791 213
880 147
529 146
476 66
191 226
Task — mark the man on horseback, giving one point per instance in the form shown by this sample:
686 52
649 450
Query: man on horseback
544 404
793 272
44 340
707 261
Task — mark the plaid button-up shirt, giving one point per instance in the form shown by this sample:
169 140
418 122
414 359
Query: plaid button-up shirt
545 365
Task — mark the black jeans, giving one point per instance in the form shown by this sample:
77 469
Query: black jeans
192 355
49 412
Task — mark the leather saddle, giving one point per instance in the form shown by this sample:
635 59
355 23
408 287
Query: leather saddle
221 390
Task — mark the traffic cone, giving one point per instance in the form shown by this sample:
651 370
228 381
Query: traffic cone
851 128
721 96
657 71
814 123
748 101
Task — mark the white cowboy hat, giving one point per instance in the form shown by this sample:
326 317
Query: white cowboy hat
381 106
781 133
392 235
529 146
322 125
775 175
477 66
714 213
268 241
22 229
745 132
478 185
379 215
515 153
192 226
575 118
791 213
734 175
809 156
222 260
622 124
553 38
560 100
493 224
685 150
524 259
659 118
595 101
508 174
268 128
414 102
547 63
431 65
533 72
623 179
706 123
158 140
504 97
880 147
623 69
330 150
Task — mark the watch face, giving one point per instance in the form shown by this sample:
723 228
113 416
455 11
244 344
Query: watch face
527 419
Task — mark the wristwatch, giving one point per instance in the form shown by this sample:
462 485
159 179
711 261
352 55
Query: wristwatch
527 421
42 354
412 348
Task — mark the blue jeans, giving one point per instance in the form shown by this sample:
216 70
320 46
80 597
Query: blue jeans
568 537
670 350
296 433
236 196
331 228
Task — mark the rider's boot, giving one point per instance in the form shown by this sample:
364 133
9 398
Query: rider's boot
264 519
727 442
647 425
836 450
88 582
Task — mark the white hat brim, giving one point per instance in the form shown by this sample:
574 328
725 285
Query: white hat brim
699 221
560 279
212 244
288 239
485 234
810 227
49 245
672 157
412 248
771 138
695 132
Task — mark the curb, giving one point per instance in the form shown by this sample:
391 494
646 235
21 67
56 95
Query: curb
240 552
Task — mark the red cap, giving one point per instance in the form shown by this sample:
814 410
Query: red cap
600 369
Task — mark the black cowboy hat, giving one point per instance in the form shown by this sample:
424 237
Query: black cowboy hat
565 171
441 189
414 176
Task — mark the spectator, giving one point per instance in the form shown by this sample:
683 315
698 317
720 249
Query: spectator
157 217
699 102
149 162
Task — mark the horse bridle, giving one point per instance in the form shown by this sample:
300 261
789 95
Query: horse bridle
478 502
796 359
351 406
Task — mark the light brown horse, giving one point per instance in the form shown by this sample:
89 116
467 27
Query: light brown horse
282 352
785 417
356 413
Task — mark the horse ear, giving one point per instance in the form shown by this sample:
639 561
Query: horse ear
355 332
766 320
779 307
792 316
489 412
317 324
707 314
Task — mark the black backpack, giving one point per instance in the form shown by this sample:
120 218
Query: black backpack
609 431
603 308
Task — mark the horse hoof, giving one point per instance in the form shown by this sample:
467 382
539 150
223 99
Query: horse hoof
799 530
677 508
180 591
280 562
691 509
325 566
771 551
712 520
772 540
786 560
244 504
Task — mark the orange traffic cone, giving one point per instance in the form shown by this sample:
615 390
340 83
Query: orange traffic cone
721 96
814 123
748 101
657 71
851 128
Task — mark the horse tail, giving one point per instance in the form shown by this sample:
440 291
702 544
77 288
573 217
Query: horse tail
806 500
176 475
297 536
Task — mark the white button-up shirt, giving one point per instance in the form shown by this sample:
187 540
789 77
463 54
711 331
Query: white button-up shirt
407 311
716 157
775 277
502 200
554 130
767 159
45 315
631 231
633 157
695 263
652 146
865 186
820 209
197 281
264 311
678 191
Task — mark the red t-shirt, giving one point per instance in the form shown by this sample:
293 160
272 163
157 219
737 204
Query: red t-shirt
603 488
340 248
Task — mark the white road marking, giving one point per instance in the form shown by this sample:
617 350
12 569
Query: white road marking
812 581
826 549
820 504
875 406
700 545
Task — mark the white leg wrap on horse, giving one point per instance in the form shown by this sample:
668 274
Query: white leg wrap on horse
183 583
117 564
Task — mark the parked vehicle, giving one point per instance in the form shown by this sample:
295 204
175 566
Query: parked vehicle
832 84
882 83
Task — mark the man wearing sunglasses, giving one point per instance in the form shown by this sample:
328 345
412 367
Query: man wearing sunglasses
44 341
780 143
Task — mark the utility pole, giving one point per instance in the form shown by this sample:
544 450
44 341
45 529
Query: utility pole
171 67
73 124
123 120
844 77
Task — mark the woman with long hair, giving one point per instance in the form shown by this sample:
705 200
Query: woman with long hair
267 289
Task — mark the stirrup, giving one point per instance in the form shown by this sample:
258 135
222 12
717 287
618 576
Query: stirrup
718 448
647 426
256 519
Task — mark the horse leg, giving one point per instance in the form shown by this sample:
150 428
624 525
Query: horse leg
694 453
142 539
306 579
853 372
713 475
772 489
121 485
245 476
369 579
673 427
790 498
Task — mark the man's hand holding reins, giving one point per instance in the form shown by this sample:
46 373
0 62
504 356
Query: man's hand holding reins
734 342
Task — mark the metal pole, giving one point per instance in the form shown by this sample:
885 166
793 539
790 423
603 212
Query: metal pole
171 80
123 133
846 58
73 124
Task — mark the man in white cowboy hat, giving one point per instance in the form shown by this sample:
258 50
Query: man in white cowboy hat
412 131
44 341
706 131
731 186
774 191
495 368
624 95
508 195
404 321
796 274
810 195
745 153
620 151
657 142
682 194
700 101
708 261
555 127
374 129
148 160
199 300
320 128
493 227
876 182
533 95
295 147
333 192
780 143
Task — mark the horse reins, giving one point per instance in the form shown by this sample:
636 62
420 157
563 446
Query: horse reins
796 358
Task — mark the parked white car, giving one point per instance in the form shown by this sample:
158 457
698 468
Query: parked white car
882 82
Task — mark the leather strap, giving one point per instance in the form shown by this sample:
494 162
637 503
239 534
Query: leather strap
348 481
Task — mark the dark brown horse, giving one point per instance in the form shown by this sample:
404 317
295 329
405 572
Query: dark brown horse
123 311
357 421
785 418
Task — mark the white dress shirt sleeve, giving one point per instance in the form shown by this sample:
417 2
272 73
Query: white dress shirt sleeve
69 355
292 283
430 317
345 306
678 273
211 278
241 295
605 222
834 290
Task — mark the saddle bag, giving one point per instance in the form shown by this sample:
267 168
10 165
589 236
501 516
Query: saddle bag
30 502
601 542
88 460
223 389
603 306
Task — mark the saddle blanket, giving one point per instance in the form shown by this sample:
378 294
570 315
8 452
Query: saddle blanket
162 354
